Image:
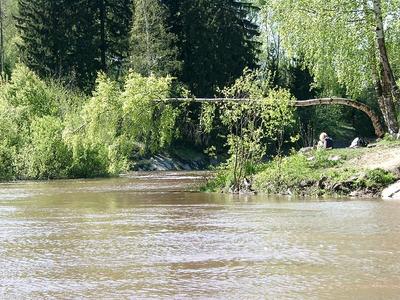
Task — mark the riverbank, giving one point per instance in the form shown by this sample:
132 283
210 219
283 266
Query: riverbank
360 172
176 159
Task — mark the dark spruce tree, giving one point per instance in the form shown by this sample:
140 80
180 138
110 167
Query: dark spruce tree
114 26
73 39
216 39
43 35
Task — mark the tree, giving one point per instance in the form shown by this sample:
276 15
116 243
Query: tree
7 36
1 39
118 24
153 49
42 35
266 115
342 42
73 39
216 41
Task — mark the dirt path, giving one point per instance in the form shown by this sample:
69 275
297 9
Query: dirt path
380 157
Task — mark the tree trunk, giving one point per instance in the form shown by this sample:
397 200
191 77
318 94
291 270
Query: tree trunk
103 45
302 103
387 99
389 84
379 94
347 102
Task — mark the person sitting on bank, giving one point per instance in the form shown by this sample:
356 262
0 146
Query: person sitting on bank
325 142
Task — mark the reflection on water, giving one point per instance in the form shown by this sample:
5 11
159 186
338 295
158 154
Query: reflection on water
143 236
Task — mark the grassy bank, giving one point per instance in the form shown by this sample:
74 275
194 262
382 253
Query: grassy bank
356 172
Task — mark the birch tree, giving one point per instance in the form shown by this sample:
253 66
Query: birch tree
152 44
344 41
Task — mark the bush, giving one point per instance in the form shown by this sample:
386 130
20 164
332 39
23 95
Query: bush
88 161
27 90
7 167
115 123
147 122
377 178
222 181
46 156
267 115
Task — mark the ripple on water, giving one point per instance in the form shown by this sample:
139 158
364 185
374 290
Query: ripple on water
110 239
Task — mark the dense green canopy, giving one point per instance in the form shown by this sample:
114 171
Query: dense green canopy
80 100
343 43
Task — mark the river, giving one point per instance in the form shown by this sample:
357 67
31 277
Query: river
150 236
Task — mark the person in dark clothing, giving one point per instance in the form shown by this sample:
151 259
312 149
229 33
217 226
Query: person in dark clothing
325 142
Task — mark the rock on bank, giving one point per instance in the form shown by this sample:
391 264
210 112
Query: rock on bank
392 192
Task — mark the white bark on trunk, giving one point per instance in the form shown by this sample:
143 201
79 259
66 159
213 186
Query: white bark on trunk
388 82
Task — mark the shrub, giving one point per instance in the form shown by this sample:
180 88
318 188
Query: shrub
146 121
377 179
27 90
88 161
46 156
267 114
7 167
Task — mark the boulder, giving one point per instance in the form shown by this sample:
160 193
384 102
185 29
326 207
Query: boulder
358 142
392 192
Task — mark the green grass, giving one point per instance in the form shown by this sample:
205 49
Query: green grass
317 172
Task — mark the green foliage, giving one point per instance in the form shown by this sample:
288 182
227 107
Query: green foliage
116 125
153 49
28 91
73 39
49 132
207 117
147 122
31 118
335 49
337 40
267 114
9 10
7 154
216 41
87 160
96 132
46 156
377 178
222 181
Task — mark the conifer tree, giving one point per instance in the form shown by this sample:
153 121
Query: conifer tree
73 39
43 35
216 39
117 28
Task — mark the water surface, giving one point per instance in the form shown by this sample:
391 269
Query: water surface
149 236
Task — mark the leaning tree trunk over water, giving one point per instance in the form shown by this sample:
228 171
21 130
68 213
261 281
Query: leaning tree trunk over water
347 102
379 131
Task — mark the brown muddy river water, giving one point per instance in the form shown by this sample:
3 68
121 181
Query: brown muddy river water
147 236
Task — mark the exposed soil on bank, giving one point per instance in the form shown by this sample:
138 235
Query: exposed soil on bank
385 157
360 172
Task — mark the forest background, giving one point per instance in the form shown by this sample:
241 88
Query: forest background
79 77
